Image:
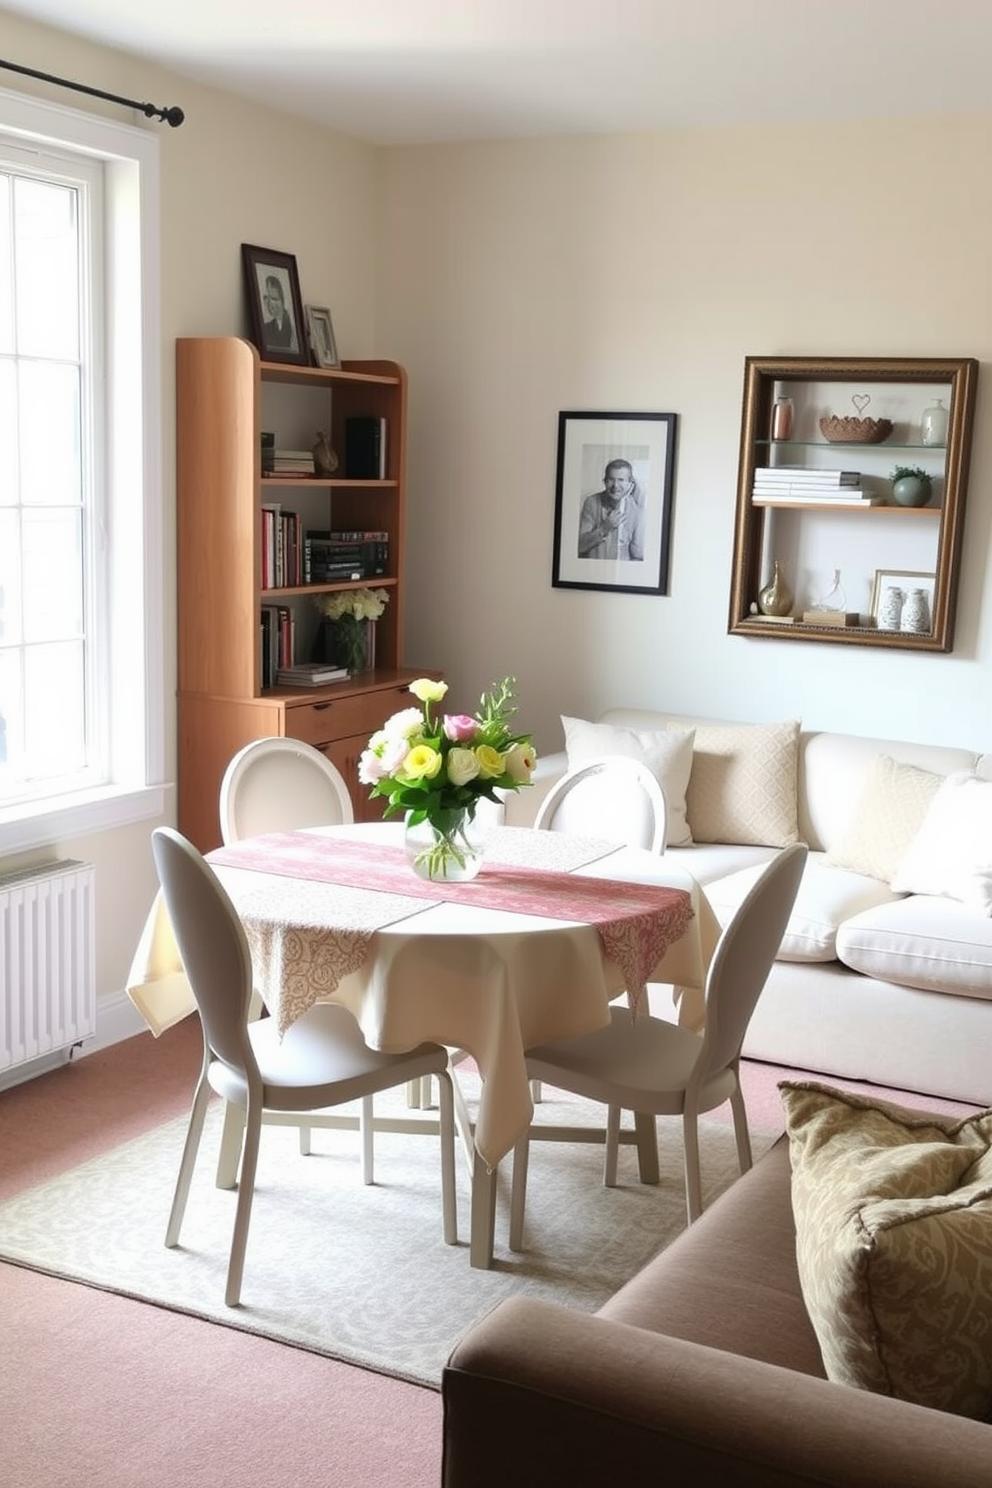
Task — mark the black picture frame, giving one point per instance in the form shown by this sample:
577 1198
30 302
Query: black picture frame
270 277
631 555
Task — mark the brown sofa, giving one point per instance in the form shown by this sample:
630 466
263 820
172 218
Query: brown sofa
704 1367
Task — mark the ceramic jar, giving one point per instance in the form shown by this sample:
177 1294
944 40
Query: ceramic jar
776 597
912 490
890 610
933 425
916 613
783 413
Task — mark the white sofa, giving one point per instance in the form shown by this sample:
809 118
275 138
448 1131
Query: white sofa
871 983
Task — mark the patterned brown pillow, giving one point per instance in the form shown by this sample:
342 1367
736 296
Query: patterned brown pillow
893 1212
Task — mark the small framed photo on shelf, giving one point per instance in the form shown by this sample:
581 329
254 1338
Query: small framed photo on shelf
275 305
321 332
902 599
613 501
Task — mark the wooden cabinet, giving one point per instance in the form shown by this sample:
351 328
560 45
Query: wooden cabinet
226 397
873 542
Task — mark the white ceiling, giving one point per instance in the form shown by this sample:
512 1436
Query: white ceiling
426 70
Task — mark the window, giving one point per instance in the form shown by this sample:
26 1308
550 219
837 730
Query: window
81 654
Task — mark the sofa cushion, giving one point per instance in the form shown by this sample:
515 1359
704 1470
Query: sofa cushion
893 1213
743 784
666 752
932 943
888 814
827 897
951 853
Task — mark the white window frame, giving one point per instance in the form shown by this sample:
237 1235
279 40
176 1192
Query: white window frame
135 707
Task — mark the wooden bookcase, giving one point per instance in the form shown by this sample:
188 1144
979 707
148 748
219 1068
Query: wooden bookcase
225 397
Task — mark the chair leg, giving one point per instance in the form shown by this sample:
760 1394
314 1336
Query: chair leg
480 1245
246 1192
741 1129
518 1191
693 1181
194 1131
536 1092
446 1122
646 1131
231 1137
367 1133
613 1114
305 1134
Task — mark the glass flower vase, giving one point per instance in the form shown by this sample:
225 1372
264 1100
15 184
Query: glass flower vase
448 849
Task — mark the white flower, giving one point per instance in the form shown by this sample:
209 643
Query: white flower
462 766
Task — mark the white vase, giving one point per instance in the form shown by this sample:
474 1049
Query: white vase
890 610
916 613
933 425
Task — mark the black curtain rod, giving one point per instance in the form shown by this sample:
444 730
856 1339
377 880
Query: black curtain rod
173 116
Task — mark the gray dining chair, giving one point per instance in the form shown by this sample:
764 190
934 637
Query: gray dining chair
656 1068
322 1059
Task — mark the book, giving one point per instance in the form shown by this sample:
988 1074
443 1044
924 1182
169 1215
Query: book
773 619
831 617
807 473
310 674
814 493
807 500
364 448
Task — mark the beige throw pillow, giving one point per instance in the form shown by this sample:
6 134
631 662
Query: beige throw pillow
743 786
893 1212
888 814
667 753
951 854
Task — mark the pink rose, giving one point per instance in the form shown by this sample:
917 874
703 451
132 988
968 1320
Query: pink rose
459 728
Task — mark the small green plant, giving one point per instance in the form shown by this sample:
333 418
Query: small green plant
901 471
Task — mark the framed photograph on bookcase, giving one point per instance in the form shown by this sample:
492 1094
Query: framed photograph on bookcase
275 305
613 501
322 342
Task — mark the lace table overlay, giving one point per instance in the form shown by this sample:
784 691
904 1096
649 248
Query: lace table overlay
303 943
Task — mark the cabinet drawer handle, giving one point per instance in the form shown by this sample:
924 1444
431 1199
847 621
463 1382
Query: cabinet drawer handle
321 707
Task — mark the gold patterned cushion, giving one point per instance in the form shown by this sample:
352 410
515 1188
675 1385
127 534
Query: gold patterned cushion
888 814
893 1212
743 786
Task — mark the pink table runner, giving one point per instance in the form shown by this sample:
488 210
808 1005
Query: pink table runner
637 923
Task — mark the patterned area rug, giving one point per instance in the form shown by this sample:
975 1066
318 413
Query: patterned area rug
357 1273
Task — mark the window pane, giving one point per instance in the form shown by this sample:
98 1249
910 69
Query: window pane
52 576
49 434
8 431
54 711
46 274
10 579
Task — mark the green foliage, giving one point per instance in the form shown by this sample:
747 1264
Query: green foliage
901 471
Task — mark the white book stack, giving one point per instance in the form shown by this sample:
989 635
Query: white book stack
783 485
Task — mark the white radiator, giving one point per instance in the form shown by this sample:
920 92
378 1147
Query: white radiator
47 960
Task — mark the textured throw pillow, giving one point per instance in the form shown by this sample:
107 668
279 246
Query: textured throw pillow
888 814
951 854
743 784
667 753
893 1212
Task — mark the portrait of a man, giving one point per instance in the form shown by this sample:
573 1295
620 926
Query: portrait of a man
611 524
278 330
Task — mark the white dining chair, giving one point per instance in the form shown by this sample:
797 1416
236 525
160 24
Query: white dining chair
321 1060
612 796
656 1068
279 785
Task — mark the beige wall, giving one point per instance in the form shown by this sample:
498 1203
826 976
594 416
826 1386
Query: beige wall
637 272
516 280
231 174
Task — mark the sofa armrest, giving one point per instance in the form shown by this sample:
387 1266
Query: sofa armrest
540 1394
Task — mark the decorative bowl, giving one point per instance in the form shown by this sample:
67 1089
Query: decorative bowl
837 430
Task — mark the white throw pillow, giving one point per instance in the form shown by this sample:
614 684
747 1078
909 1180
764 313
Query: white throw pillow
743 787
951 854
890 811
667 753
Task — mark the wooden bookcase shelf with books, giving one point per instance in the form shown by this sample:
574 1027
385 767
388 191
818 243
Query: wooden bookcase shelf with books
226 396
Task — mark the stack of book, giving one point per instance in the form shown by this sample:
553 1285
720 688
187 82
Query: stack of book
784 485
287 463
310 674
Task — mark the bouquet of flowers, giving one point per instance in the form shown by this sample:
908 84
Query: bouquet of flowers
350 612
437 767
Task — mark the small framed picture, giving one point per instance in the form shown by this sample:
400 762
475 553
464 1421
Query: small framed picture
902 599
322 342
275 305
613 501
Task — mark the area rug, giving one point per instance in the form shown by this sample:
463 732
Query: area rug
357 1273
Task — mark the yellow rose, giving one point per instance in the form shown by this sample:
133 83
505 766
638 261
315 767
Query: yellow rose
462 766
427 690
422 763
520 762
490 761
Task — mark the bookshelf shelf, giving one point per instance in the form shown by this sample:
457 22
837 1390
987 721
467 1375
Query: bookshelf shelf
225 397
814 533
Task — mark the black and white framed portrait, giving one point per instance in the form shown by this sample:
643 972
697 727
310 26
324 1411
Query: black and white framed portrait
613 501
275 304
